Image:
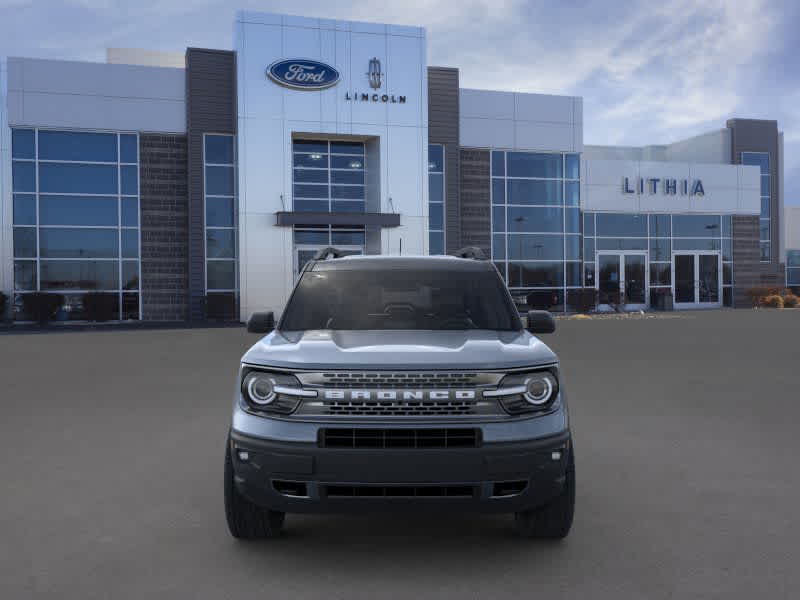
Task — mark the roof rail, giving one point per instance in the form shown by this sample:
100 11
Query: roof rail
472 252
329 252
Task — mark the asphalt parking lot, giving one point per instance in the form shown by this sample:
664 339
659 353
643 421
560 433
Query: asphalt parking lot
688 481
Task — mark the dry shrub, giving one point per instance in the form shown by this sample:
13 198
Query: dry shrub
790 301
773 301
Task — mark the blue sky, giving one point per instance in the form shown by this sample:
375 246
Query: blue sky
649 72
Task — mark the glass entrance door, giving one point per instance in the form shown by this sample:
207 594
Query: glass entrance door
697 280
684 279
622 279
635 281
708 279
609 279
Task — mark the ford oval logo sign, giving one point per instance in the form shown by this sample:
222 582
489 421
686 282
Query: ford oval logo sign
303 74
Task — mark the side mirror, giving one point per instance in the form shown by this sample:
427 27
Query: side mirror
541 321
261 322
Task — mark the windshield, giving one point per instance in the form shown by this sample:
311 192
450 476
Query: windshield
400 299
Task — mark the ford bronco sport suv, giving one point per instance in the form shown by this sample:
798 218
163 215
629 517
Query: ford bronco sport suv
396 382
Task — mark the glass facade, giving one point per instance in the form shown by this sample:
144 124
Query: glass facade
536 225
660 235
221 223
328 176
436 199
76 218
793 268
761 160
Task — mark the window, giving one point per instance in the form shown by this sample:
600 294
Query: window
76 218
328 176
399 299
219 155
660 234
793 269
536 224
436 199
761 160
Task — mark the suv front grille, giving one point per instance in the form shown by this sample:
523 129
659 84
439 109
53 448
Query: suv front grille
414 394
398 380
399 438
400 408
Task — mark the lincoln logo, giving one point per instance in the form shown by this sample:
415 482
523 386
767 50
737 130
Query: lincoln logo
404 395
374 74
303 74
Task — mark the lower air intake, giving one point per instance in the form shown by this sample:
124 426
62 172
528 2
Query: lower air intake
399 438
508 488
400 491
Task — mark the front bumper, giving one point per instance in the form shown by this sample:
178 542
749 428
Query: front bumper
476 479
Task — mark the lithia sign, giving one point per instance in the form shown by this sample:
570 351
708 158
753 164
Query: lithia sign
306 74
667 186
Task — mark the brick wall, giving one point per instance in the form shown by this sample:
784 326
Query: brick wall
746 254
443 128
165 227
748 270
476 220
210 108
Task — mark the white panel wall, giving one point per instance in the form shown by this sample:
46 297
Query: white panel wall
781 205
713 147
791 227
6 206
269 115
147 58
520 121
729 189
82 95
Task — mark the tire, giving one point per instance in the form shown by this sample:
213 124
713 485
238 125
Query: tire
247 521
553 520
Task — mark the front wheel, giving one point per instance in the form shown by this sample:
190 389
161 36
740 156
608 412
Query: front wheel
554 519
246 520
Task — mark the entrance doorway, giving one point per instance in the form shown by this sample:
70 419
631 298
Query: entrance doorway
697 279
622 279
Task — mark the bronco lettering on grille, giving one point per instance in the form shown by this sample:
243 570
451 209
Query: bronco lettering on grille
399 395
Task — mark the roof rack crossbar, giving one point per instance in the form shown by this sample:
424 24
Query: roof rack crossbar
472 252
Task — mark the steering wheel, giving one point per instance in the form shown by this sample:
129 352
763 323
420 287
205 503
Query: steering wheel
465 320
400 307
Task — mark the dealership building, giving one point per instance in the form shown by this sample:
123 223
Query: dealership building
195 186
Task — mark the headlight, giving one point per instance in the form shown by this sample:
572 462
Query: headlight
539 388
526 392
265 391
260 388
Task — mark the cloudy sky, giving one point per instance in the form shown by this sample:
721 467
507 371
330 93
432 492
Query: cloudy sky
649 71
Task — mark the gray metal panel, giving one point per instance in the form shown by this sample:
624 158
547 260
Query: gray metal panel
746 253
755 135
164 227
210 108
443 128
287 219
475 200
87 95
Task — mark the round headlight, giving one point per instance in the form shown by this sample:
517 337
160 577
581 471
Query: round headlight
260 388
538 389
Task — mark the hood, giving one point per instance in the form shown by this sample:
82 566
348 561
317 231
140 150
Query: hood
423 350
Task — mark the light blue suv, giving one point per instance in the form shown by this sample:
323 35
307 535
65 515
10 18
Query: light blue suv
395 383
